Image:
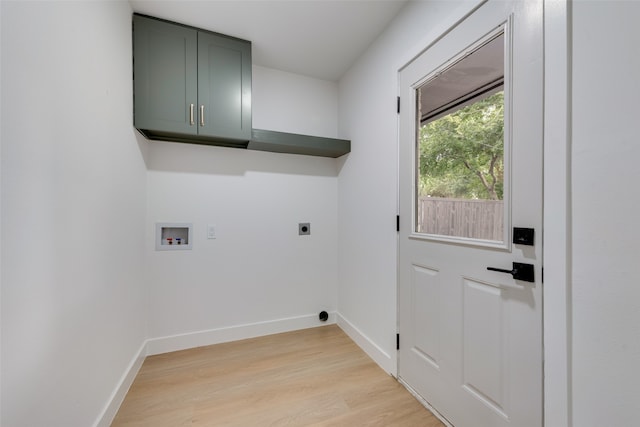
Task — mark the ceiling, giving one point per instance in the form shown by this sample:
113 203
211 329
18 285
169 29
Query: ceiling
315 38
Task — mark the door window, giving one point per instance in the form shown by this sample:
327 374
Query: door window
460 147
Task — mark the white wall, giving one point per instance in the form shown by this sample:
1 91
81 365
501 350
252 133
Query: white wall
605 177
1 210
73 211
293 103
367 187
258 276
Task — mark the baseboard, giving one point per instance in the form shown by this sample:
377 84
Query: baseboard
233 333
382 358
115 400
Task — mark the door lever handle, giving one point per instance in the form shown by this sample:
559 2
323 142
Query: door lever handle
519 271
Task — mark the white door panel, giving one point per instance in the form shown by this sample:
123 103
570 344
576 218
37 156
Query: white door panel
471 339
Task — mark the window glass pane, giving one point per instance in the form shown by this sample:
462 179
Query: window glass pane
460 149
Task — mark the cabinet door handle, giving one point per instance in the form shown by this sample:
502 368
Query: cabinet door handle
191 122
202 115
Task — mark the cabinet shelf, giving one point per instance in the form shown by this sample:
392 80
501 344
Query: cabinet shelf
281 142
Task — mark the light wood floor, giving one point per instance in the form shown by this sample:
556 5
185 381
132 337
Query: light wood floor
313 377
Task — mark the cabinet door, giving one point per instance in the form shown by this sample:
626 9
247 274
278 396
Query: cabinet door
165 76
224 87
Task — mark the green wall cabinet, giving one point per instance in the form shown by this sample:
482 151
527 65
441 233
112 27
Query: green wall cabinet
190 85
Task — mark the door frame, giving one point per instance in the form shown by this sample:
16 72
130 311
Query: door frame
556 214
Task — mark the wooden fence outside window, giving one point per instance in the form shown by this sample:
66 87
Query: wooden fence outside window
478 219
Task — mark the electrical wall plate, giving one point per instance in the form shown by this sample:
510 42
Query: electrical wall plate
304 228
173 236
211 231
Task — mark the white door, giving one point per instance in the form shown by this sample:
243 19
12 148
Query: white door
471 338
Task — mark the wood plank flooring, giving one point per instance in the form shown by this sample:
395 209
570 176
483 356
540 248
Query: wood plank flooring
312 377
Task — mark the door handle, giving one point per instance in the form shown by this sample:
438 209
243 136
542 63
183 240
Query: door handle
191 122
519 271
201 115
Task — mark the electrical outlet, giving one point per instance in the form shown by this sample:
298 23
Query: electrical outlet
304 228
211 231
